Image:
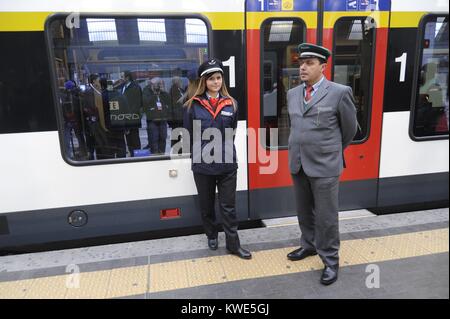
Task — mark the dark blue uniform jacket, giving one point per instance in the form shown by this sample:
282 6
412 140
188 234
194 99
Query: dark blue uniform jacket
224 116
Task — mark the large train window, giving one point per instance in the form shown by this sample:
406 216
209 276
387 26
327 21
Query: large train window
430 116
353 53
120 82
280 38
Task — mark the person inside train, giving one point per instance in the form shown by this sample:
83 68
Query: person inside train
212 108
157 108
430 116
116 147
176 94
93 110
133 94
73 124
189 91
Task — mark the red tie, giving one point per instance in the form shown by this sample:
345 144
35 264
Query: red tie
213 102
309 90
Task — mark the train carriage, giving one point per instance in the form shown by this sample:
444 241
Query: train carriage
57 186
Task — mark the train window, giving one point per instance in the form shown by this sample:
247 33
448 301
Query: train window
430 117
353 53
279 73
120 82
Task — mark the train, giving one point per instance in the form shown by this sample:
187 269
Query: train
58 186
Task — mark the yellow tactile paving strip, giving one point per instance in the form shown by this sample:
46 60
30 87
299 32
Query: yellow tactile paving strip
137 280
128 281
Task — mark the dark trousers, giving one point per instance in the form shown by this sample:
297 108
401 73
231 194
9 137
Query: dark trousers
133 140
98 141
116 144
157 133
317 210
206 188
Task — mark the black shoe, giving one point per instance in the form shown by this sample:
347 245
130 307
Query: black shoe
213 243
300 254
242 253
329 275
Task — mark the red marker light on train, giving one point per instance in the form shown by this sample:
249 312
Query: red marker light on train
170 213
426 43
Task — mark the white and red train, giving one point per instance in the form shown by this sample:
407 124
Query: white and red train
54 186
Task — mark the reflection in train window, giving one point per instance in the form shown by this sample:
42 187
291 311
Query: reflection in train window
354 40
121 82
279 73
431 111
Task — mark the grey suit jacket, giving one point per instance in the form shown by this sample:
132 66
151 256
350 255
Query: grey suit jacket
320 133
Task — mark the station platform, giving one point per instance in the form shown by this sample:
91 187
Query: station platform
403 255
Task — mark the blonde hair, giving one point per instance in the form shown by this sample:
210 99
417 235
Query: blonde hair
200 88
192 88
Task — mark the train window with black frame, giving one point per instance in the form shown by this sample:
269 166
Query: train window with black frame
120 82
430 114
353 53
279 73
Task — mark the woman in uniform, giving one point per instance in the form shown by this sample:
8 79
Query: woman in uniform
214 162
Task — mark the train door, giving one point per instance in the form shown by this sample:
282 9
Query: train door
356 34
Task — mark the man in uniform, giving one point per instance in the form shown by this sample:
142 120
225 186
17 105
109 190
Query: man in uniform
323 124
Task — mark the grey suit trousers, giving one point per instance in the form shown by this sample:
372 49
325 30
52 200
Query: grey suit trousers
317 210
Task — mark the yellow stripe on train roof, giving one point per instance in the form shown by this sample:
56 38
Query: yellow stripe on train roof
406 19
23 21
255 19
34 21
226 20
381 17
